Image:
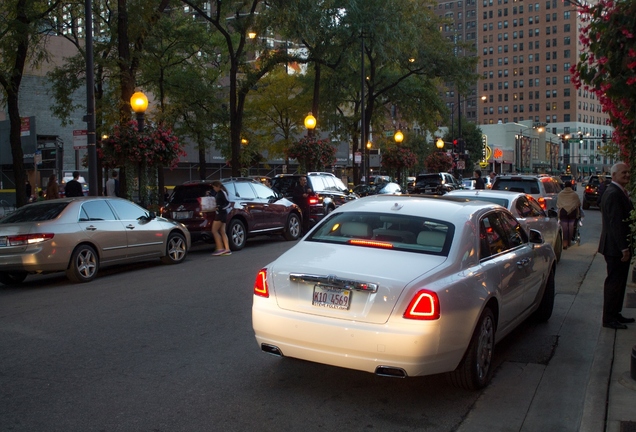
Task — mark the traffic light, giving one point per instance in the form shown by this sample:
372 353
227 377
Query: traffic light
604 138
455 142
580 137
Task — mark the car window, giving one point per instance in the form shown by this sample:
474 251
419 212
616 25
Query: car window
492 235
127 210
35 213
340 186
523 207
428 179
263 191
391 232
317 184
529 186
515 235
190 193
285 185
550 186
330 185
96 210
244 190
537 211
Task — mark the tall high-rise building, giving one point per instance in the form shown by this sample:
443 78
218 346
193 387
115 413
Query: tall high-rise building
526 50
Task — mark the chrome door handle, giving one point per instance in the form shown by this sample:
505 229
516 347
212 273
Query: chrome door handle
130 226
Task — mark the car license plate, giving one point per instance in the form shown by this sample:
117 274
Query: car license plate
3 241
331 297
182 215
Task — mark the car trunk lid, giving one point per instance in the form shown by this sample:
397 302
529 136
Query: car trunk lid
314 278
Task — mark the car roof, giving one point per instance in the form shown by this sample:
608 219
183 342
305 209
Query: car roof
454 210
486 193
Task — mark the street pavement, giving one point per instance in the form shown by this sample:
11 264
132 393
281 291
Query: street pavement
586 386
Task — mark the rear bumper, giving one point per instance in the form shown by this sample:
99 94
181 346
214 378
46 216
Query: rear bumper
415 347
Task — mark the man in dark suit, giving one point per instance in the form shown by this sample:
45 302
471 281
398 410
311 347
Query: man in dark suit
301 194
615 246
73 188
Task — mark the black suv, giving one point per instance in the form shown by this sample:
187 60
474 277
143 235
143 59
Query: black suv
330 191
256 210
569 178
590 194
438 184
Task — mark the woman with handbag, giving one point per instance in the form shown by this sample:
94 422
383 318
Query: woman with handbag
218 226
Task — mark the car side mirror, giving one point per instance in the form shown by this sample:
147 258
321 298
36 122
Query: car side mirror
552 213
535 237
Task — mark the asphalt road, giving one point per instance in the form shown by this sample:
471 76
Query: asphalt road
170 348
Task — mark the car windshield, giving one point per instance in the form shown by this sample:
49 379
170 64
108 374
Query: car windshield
428 179
35 213
379 230
190 193
529 186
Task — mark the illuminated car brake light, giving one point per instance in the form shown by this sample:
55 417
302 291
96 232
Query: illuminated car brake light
27 239
423 306
260 285
542 203
371 243
313 200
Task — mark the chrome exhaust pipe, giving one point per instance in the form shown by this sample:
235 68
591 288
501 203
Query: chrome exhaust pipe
390 371
271 349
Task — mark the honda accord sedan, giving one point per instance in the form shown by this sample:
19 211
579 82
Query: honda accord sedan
80 235
456 277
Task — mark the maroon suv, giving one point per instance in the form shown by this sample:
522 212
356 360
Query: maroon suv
256 210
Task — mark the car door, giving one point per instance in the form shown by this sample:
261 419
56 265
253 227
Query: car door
253 206
504 264
274 213
144 236
100 224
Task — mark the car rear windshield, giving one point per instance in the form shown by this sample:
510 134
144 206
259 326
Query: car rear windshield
529 186
386 231
35 213
434 179
190 193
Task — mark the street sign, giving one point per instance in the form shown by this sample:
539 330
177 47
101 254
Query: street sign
461 164
483 164
357 157
80 139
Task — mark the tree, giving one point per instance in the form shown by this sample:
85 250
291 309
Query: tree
607 66
397 157
312 154
20 42
234 20
438 162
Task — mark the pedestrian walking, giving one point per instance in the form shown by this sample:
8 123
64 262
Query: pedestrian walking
569 209
112 185
52 189
615 245
29 190
301 194
218 226
73 188
479 182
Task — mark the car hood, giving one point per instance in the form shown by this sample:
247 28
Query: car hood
393 272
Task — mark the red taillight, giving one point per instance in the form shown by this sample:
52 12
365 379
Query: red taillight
371 243
542 203
313 200
260 285
424 306
26 239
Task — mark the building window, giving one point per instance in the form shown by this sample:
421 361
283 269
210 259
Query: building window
566 40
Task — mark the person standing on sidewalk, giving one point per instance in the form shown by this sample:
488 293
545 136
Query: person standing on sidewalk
74 187
615 246
301 194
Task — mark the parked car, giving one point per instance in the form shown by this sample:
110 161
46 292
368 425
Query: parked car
527 211
256 210
544 189
330 191
569 178
469 183
436 184
83 234
456 277
590 193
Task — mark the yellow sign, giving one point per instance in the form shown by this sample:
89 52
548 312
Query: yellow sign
488 152
483 164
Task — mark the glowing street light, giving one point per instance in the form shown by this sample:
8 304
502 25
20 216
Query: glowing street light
398 137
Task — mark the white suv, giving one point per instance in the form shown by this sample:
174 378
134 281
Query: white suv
544 189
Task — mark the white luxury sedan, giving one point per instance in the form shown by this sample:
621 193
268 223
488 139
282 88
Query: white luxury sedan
405 286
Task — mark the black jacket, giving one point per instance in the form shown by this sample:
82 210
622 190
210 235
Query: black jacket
73 189
615 232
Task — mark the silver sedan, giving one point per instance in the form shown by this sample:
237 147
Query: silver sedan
527 211
80 235
405 286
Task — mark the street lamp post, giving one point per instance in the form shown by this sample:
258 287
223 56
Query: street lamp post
139 104
399 137
439 144
310 124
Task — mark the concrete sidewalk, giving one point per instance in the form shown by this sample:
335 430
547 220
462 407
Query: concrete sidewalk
586 385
